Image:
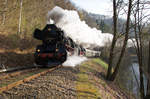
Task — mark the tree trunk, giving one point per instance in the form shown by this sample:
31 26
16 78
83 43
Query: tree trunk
111 56
125 42
140 53
148 82
20 17
141 80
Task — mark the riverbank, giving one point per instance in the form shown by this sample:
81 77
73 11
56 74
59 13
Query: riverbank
91 83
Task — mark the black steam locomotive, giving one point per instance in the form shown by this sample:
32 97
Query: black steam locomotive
55 46
52 51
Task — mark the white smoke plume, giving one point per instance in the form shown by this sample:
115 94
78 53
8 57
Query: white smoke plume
74 60
79 31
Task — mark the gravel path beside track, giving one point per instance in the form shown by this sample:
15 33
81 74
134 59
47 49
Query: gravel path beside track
58 84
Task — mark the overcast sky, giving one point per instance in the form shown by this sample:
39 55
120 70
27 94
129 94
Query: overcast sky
95 6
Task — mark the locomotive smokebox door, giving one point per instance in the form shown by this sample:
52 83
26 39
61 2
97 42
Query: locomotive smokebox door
53 51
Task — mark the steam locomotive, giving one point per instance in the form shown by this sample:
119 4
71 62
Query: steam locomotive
55 46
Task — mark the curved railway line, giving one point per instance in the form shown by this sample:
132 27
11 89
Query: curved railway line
12 79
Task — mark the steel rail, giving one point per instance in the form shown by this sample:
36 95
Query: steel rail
10 86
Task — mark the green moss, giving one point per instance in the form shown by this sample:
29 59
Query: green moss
86 88
100 62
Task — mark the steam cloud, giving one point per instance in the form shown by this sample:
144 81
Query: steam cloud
74 60
79 31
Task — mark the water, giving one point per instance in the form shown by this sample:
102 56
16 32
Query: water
134 68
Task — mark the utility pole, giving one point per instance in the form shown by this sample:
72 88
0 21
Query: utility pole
4 15
20 17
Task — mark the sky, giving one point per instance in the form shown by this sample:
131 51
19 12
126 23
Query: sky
103 7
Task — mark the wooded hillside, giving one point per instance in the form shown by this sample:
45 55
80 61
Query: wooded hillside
18 19
33 14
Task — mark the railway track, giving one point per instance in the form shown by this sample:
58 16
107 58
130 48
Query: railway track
18 68
13 79
55 84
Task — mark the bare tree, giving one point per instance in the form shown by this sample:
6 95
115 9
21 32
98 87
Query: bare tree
148 81
125 41
111 56
110 75
139 24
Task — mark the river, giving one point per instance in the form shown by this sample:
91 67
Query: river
134 70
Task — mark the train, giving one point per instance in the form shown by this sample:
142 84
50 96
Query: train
56 47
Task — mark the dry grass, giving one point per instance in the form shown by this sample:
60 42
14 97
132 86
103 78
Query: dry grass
16 51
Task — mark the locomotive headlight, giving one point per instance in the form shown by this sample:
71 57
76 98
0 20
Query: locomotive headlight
38 50
56 49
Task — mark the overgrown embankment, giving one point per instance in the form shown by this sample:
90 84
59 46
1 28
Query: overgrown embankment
91 83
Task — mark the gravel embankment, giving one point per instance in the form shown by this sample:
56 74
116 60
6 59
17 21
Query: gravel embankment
58 84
